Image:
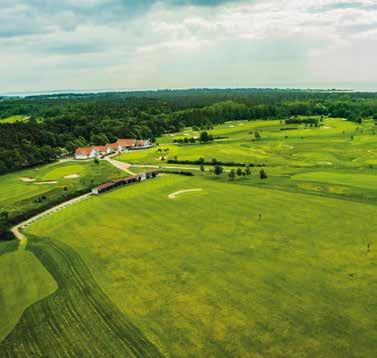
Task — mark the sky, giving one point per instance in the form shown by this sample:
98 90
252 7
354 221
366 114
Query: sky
151 44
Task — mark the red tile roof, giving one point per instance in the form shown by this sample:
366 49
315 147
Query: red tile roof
84 150
126 142
100 148
112 146
140 142
103 148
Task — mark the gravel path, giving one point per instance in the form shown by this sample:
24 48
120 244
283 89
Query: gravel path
17 230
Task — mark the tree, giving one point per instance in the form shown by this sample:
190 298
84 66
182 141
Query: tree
248 170
99 139
239 172
204 137
257 135
232 174
96 161
202 168
218 170
262 174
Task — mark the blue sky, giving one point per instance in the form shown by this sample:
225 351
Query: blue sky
147 44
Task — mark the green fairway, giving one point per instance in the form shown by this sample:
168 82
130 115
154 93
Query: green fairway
20 191
328 145
363 181
232 270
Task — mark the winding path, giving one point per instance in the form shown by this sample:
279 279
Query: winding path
17 230
120 165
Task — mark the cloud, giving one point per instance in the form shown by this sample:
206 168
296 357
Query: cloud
181 43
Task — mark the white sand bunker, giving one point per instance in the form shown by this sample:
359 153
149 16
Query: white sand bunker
46 182
27 179
72 176
174 195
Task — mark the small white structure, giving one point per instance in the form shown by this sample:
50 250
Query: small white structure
85 153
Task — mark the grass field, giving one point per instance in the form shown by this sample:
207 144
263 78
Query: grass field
330 145
209 278
23 281
283 267
14 119
64 316
17 196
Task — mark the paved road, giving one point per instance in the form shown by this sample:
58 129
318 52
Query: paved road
120 165
17 230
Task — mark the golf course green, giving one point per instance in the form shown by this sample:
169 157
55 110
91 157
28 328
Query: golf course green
207 265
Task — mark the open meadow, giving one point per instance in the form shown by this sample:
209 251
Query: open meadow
204 265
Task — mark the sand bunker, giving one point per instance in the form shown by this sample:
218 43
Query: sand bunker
72 176
174 195
46 182
27 179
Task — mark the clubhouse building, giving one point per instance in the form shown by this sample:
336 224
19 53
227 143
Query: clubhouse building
119 146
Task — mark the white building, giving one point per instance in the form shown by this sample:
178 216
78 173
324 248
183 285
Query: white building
86 153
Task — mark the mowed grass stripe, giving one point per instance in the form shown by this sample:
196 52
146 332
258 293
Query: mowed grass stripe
78 319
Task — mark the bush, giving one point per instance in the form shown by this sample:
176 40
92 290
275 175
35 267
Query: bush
218 170
262 174
178 172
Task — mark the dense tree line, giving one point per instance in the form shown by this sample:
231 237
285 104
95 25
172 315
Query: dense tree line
60 123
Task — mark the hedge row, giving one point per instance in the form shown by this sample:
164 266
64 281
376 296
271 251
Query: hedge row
178 172
214 162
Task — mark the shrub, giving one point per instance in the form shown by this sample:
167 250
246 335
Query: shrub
218 170
232 174
262 174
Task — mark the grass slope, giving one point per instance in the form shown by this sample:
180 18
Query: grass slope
77 320
209 279
23 281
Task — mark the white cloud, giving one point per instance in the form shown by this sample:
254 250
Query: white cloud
238 43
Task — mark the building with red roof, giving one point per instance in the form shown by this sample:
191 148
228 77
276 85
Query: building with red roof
119 146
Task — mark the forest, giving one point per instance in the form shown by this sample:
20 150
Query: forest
58 124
